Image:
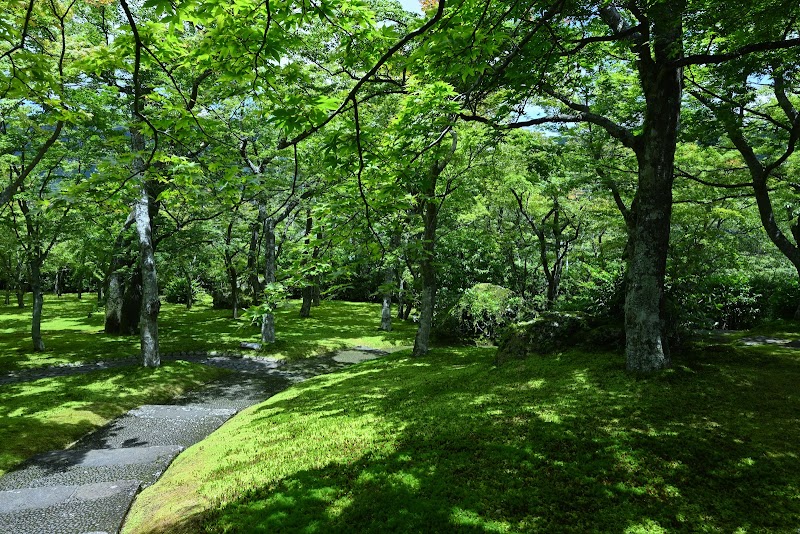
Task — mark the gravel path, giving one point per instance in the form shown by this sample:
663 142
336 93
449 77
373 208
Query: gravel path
90 487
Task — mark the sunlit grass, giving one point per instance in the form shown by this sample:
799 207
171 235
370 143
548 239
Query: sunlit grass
73 331
51 413
451 443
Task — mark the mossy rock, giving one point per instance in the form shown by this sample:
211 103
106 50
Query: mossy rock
555 332
550 333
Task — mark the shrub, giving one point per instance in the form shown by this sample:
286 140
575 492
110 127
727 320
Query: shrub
483 310
177 291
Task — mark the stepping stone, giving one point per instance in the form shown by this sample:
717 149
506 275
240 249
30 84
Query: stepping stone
67 509
75 467
355 356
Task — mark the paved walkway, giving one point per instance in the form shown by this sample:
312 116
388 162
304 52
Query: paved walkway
90 487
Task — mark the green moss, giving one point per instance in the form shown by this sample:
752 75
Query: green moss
73 332
452 443
51 413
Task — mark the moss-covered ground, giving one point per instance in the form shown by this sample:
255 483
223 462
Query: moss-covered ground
73 331
51 413
451 443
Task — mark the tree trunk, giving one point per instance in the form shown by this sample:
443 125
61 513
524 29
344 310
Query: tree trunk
400 299
646 347
20 298
233 282
38 302
148 319
268 320
389 279
386 307
252 255
428 275
308 291
114 284
113 303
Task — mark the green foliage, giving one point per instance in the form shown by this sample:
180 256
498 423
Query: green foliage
274 296
484 309
736 299
178 291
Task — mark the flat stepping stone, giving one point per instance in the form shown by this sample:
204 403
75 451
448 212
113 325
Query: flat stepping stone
70 509
77 467
357 355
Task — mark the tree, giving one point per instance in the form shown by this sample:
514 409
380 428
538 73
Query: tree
558 55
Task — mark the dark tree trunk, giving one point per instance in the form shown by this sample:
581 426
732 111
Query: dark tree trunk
390 274
252 255
401 295
38 302
20 298
386 307
114 284
308 291
646 347
428 276
233 283
130 315
114 290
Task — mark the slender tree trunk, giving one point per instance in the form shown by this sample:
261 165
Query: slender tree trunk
389 278
308 290
114 284
8 296
252 255
233 282
20 283
38 302
401 294
386 307
268 320
428 276
151 305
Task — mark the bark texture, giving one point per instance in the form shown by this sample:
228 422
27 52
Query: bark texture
151 305
646 347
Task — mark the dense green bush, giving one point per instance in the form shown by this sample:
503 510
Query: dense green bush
484 310
177 291
734 300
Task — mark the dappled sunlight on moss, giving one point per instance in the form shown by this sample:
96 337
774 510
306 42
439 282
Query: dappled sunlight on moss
73 332
452 443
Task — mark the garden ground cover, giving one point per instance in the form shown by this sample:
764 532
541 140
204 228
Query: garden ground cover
450 442
51 413
73 331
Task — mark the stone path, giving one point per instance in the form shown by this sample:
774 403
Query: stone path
89 488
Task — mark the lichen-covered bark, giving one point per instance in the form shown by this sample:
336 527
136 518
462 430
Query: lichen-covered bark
646 347
151 305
